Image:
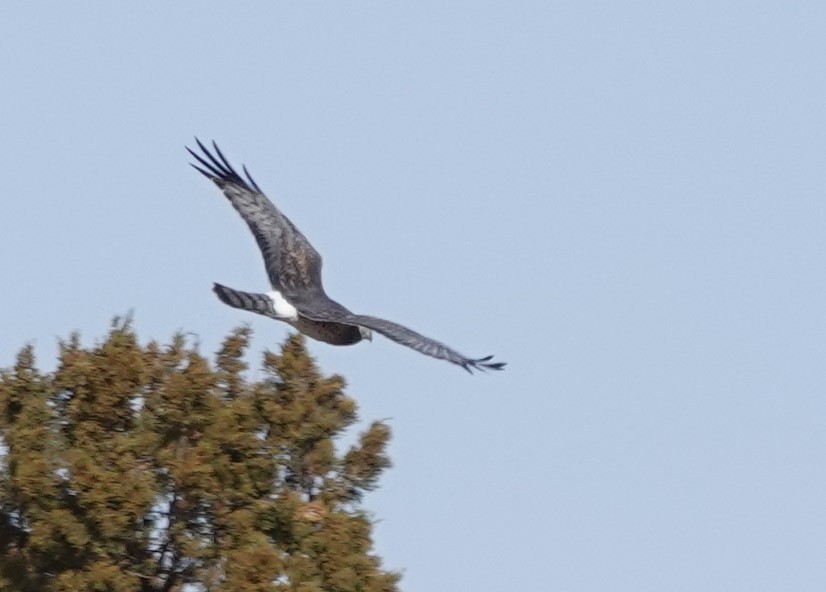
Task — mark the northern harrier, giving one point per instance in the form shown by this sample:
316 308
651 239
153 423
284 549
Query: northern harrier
294 270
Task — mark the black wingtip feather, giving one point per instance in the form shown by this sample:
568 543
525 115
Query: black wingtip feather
224 160
206 174
219 165
220 170
251 180
483 364
216 172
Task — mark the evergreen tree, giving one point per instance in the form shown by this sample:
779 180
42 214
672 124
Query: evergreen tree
144 468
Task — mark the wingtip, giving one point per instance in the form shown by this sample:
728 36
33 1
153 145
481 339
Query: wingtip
206 174
200 144
483 364
216 166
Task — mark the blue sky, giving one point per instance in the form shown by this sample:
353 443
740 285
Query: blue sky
624 200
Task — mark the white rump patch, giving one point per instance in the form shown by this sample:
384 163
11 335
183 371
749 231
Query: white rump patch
283 309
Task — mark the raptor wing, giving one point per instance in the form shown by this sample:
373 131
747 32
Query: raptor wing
332 311
293 265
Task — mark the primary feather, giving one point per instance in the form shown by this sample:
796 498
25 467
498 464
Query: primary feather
294 270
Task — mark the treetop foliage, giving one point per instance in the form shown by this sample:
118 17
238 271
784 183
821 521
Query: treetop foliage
147 468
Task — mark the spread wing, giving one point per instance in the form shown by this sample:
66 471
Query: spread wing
425 345
401 334
293 265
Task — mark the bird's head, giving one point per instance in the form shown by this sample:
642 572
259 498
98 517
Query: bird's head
366 333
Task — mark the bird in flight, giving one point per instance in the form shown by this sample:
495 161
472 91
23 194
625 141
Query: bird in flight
294 269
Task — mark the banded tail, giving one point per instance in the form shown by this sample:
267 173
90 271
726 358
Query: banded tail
259 303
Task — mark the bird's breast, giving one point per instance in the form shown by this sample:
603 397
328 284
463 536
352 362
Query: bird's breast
329 332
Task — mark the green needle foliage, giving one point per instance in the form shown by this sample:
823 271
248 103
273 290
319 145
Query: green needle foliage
146 468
